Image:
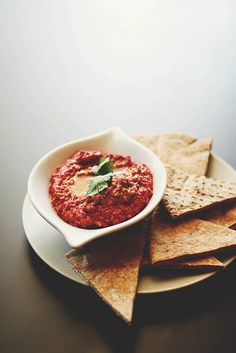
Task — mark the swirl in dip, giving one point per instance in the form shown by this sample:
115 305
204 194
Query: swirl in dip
129 191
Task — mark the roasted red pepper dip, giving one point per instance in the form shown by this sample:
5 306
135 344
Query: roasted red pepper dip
129 192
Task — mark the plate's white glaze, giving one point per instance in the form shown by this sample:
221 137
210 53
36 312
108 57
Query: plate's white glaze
51 246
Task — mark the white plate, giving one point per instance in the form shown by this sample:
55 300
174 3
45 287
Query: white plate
50 245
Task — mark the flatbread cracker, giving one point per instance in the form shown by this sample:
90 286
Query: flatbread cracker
164 145
111 267
223 215
206 263
187 194
194 158
181 151
176 241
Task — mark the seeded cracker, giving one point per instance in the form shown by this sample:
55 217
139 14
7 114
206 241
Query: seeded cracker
111 266
187 194
181 151
206 263
186 153
165 144
181 240
223 215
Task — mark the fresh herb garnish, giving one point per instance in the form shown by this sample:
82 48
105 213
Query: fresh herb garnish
105 166
99 183
103 172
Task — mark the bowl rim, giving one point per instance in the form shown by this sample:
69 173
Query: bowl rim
106 230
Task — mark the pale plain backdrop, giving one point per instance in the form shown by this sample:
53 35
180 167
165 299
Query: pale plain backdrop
73 68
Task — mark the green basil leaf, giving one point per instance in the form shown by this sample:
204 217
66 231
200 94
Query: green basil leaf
105 166
106 177
98 184
96 188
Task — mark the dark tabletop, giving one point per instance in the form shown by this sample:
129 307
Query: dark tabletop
70 69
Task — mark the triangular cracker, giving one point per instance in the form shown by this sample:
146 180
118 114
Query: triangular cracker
164 145
174 241
179 150
223 215
194 158
111 266
187 194
206 263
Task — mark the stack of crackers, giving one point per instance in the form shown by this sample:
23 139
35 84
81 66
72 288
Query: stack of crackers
190 227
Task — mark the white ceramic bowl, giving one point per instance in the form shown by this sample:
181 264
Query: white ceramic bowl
110 141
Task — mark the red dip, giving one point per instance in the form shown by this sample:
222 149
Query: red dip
128 192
